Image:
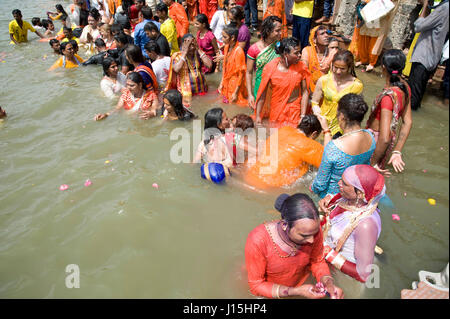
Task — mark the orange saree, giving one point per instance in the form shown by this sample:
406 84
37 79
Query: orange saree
178 15
295 153
234 68
316 67
285 99
208 8
276 8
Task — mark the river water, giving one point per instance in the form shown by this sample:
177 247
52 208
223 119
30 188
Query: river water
186 238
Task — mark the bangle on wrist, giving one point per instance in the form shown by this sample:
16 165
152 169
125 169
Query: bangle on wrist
397 152
326 131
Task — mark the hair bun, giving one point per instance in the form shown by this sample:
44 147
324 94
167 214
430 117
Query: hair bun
280 201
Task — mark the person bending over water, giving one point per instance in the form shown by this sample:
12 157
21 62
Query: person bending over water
173 108
213 149
389 106
281 255
297 150
136 98
352 224
69 58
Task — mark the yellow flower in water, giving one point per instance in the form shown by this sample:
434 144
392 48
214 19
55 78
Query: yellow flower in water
431 201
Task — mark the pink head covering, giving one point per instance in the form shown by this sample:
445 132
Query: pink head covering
368 180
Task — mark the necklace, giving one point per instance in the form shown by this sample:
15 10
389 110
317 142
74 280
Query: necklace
292 253
351 132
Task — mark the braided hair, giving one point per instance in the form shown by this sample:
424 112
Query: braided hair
394 62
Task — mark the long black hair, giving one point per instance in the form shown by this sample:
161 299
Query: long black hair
295 207
60 8
176 100
213 118
106 64
394 61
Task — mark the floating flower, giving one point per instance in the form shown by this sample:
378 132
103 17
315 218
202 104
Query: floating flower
395 217
431 201
155 185
88 183
63 187
107 161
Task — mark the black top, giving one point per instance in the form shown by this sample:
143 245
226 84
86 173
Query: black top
163 45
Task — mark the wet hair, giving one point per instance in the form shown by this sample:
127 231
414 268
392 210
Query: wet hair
147 13
99 43
353 107
152 46
176 100
74 45
237 13
46 23
203 19
106 64
63 45
36 21
53 41
150 26
213 118
232 31
310 124
394 61
162 7
95 14
347 57
225 4
296 207
126 4
243 121
136 78
60 8
134 53
286 45
121 38
268 25
126 25
16 11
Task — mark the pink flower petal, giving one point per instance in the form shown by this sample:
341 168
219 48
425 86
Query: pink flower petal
424 170
88 183
395 217
63 187
155 185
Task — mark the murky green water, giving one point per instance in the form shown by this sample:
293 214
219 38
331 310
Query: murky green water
185 239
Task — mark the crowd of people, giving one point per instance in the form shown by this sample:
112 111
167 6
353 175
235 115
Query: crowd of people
302 83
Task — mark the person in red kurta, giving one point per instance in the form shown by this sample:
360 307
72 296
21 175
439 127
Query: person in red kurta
179 16
233 86
281 255
208 7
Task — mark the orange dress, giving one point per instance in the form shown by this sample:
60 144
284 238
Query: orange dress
283 110
208 8
265 267
146 101
295 153
276 8
234 69
192 6
178 15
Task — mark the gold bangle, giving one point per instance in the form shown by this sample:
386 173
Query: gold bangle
277 292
